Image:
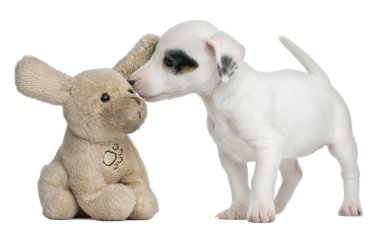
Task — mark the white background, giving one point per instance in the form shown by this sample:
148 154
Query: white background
343 36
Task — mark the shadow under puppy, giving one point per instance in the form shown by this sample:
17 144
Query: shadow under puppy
97 169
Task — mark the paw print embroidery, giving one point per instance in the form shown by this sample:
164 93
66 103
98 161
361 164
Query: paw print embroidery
113 157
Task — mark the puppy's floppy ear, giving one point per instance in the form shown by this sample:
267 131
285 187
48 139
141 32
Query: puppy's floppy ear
36 79
228 53
138 56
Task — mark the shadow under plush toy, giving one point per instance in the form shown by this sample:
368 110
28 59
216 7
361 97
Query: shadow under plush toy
97 169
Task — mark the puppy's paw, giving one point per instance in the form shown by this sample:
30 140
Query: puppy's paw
261 212
233 213
350 209
280 206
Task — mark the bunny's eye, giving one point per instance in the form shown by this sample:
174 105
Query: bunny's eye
131 91
105 97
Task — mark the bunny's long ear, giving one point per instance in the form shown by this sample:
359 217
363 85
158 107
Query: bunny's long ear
138 56
228 52
36 79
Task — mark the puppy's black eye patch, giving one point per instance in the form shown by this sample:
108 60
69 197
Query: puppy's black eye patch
179 62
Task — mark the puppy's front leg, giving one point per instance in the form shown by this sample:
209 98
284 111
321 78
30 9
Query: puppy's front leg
268 155
237 174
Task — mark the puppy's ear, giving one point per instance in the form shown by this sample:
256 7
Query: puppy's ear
138 56
36 79
228 53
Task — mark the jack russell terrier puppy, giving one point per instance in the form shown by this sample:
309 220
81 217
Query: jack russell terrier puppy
269 118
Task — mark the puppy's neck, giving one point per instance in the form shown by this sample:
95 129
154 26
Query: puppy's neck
207 89
214 87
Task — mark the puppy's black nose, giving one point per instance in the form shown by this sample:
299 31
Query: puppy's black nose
137 100
132 82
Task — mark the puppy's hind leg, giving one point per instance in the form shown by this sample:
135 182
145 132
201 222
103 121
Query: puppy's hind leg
345 151
291 174
237 174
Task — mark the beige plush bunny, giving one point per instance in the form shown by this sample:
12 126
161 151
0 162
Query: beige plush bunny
97 170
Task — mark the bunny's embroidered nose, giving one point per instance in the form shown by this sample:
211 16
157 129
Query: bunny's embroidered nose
137 100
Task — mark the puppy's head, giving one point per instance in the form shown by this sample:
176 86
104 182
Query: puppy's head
191 57
98 105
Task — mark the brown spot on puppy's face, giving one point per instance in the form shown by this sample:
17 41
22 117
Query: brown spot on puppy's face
187 69
103 105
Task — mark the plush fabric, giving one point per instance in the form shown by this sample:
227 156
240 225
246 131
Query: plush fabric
97 170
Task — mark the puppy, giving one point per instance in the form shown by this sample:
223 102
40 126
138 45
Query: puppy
269 118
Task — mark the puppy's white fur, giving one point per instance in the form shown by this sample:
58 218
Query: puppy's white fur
270 118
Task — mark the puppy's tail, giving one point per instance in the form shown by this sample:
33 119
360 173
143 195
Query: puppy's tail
307 62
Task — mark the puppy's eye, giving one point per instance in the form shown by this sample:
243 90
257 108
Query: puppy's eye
131 91
169 62
105 97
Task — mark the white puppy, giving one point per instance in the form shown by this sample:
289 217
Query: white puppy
270 118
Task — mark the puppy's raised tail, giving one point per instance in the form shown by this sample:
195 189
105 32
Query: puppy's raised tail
307 62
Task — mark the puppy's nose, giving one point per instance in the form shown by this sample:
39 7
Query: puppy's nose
137 100
131 82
